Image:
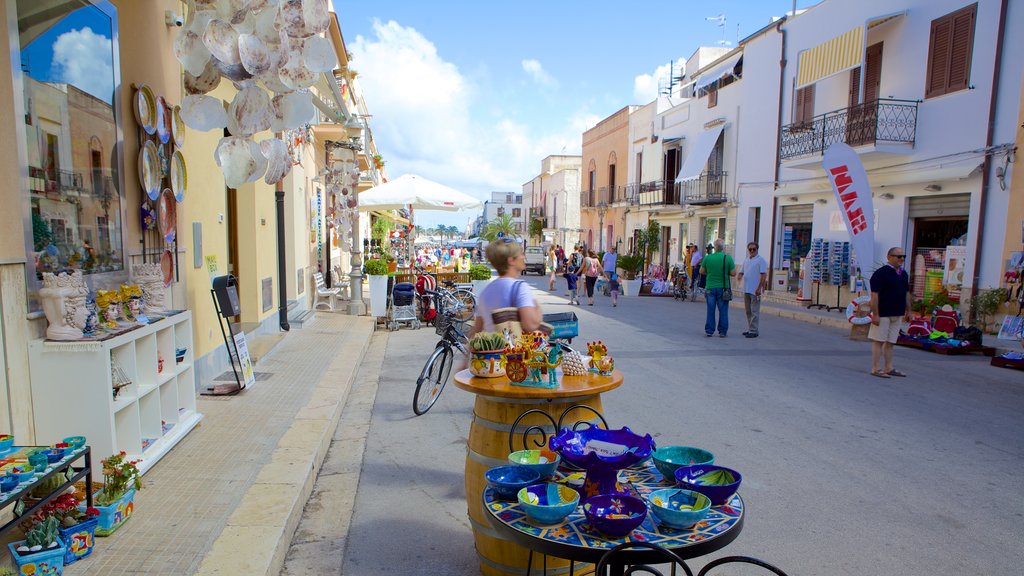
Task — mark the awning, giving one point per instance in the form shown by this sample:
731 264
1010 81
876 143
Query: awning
831 57
954 171
723 70
698 156
879 20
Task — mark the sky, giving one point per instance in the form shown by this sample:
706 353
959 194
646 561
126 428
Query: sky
475 94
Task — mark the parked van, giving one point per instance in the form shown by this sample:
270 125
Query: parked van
536 258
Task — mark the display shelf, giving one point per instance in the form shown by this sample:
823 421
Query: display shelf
72 390
67 470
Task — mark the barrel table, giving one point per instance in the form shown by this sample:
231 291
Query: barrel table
498 404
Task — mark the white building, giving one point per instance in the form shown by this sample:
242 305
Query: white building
502 203
556 199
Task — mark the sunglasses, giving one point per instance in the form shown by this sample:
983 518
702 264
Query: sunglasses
751 249
899 255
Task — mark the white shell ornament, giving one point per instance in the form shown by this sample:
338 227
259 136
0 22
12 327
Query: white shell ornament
249 112
256 57
222 41
205 82
318 54
202 112
279 163
304 18
235 159
291 110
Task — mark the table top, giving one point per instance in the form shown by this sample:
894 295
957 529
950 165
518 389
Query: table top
574 539
568 386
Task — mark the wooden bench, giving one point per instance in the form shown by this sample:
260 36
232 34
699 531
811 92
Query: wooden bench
324 295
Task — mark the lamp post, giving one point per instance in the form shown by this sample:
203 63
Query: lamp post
602 209
350 177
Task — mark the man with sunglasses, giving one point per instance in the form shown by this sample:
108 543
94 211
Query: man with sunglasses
753 279
890 307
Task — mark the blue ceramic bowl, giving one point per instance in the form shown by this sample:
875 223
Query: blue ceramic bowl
548 503
38 459
544 462
615 515
599 449
75 442
677 508
669 458
8 482
507 481
23 473
6 442
716 482
54 455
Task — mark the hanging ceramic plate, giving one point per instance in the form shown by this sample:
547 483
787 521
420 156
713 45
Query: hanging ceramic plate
167 218
179 176
167 267
177 127
163 120
149 170
145 109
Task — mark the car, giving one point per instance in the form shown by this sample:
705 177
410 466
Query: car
536 259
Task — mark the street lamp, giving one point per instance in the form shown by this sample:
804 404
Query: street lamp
602 209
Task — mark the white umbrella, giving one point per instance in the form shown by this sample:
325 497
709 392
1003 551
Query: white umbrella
417 192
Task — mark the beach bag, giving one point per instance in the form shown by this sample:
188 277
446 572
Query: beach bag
727 293
506 320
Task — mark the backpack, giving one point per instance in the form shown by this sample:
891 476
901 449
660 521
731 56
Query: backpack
969 334
593 270
946 320
575 261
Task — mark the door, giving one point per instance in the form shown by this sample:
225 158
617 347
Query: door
863 118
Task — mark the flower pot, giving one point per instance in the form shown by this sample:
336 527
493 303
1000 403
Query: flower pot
78 540
487 364
378 295
49 561
631 287
113 516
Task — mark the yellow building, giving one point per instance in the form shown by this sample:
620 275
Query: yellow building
603 200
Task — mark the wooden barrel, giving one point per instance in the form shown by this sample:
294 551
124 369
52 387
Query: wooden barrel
488 447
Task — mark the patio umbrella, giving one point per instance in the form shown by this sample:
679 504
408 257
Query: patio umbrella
418 193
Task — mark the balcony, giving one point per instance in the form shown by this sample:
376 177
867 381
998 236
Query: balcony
882 121
658 193
709 188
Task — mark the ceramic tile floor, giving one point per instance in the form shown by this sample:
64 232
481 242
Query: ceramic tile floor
190 493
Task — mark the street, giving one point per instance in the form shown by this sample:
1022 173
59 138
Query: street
843 473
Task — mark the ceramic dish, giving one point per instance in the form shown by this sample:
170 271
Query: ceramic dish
167 267
167 218
177 127
145 109
149 170
163 120
179 176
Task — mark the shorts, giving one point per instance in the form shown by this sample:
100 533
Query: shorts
888 329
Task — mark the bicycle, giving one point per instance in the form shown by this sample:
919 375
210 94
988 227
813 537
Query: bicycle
448 296
435 372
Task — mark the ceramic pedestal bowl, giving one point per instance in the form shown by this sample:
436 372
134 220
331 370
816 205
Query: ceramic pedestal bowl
548 503
716 482
668 459
615 515
679 509
507 481
602 453
6 442
544 462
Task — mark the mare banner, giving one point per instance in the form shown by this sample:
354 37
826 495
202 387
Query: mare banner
853 193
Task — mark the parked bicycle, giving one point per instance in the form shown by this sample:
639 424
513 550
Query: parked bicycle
460 301
438 368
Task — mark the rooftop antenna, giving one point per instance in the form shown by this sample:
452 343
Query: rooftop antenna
720 21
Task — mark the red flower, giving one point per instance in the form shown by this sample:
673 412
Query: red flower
92 511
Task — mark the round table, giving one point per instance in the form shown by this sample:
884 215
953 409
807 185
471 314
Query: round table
498 404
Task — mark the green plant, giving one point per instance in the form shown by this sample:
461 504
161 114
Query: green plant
376 267
41 233
479 272
536 228
503 224
986 303
631 264
487 341
119 475
648 239
938 300
42 534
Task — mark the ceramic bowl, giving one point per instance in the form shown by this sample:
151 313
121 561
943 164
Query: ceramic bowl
668 458
716 482
54 455
677 508
548 503
9 481
6 442
75 442
596 448
544 462
38 460
23 473
507 481
615 515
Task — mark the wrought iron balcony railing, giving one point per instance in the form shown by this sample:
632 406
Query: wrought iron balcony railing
882 120
709 188
658 192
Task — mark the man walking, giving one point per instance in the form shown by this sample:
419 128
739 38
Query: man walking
695 259
608 262
890 307
753 279
717 268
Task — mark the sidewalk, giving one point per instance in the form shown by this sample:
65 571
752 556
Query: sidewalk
227 499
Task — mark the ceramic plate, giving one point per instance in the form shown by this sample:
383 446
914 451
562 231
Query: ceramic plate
179 176
167 267
177 127
149 170
163 120
145 109
167 217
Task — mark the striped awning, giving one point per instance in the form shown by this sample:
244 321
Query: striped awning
881 20
831 57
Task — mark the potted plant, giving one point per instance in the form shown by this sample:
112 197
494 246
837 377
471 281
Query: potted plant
41 552
76 526
116 501
480 276
631 264
377 273
486 355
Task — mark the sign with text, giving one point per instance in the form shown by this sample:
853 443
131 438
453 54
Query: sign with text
853 193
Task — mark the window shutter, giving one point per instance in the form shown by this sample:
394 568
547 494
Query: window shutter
805 104
872 72
961 47
798 107
712 98
854 93
938 57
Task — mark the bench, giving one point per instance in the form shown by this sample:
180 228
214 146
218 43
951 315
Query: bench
343 283
324 295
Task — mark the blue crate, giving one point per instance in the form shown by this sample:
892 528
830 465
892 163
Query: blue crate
564 324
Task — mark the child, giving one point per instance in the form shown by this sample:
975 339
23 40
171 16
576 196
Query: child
570 279
614 287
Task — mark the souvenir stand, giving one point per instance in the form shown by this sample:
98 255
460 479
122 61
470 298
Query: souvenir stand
829 263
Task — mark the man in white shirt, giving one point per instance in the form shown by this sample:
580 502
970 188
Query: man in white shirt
695 259
753 279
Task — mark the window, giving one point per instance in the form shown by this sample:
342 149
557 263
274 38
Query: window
517 212
712 98
803 106
949 52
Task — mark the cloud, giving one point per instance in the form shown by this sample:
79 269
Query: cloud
645 86
83 58
536 71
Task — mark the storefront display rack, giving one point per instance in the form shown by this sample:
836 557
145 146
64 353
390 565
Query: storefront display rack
63 468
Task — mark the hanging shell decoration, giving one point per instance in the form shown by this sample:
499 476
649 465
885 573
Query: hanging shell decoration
273 51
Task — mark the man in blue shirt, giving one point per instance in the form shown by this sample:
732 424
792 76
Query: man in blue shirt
609 261
890 307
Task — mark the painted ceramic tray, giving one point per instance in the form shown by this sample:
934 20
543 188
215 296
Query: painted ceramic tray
177 127
179 176
167 218
149 170
145 109
167 267
163 120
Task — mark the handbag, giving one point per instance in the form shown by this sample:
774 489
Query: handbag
506 320
727 292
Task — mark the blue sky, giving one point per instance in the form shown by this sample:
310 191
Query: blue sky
475 94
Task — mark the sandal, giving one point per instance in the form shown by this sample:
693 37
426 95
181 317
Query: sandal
895 372
880 374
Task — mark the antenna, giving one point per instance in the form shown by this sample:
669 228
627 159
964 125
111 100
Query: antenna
720 21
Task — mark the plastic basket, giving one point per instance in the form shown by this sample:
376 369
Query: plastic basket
563 324
441 323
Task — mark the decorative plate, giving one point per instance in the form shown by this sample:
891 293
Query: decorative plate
163 120
177 127
149 170
145 109
179 176
167 267
167 218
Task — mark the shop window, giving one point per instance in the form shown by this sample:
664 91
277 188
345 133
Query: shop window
68 78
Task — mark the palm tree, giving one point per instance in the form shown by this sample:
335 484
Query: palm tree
503 224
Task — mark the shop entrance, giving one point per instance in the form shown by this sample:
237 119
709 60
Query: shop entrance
796 241
937 223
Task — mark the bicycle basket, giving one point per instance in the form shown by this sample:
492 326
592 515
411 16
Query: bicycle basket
441 323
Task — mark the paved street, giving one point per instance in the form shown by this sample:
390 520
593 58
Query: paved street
843 473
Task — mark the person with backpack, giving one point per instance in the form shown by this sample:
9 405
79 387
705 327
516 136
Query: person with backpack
591 270
572 271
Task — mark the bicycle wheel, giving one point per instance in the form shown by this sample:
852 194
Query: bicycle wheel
432 380
462 304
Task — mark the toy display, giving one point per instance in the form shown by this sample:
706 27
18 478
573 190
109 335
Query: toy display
600 361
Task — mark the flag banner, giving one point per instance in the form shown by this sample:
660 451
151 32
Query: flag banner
853 193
